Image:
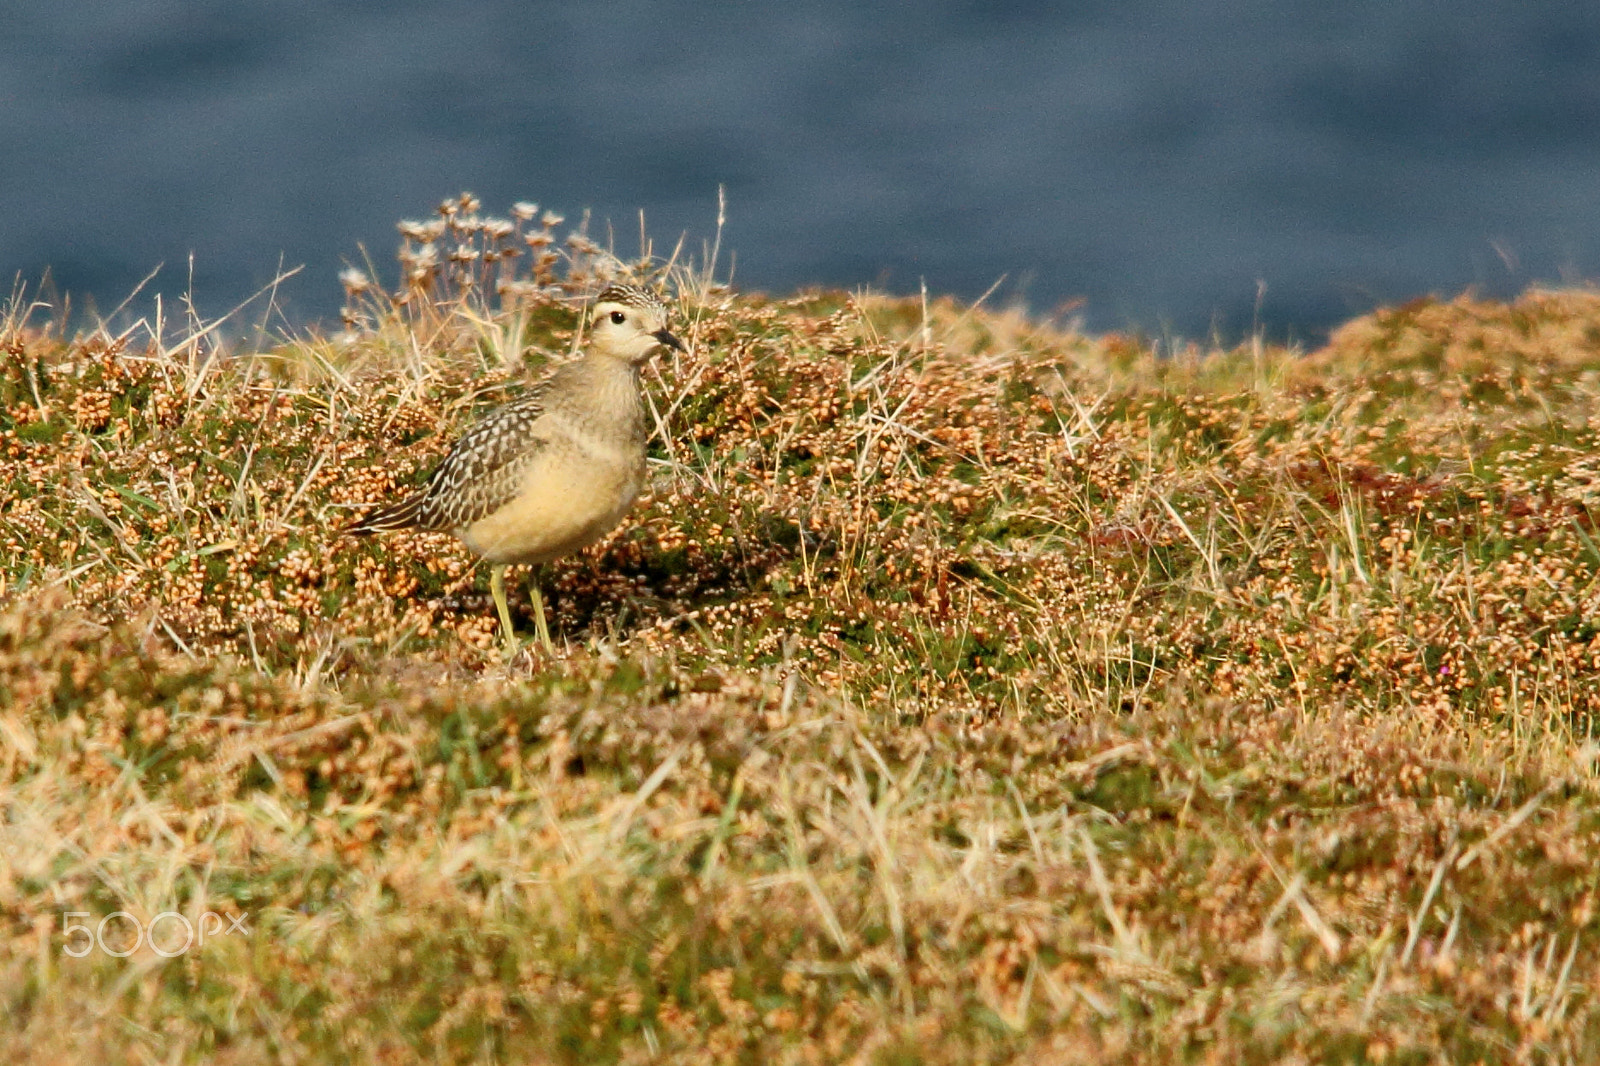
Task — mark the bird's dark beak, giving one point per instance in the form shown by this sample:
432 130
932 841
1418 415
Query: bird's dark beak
665 337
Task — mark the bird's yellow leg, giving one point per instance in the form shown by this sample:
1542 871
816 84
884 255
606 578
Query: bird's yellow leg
497 589
538 615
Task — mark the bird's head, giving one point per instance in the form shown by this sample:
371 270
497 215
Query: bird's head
630 323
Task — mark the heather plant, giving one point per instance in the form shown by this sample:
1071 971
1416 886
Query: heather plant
966 688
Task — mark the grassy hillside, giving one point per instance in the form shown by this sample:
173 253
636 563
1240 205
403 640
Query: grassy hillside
966 689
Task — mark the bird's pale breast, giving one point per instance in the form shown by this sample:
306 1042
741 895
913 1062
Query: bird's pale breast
570 498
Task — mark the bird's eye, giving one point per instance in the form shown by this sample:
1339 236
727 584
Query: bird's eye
618 317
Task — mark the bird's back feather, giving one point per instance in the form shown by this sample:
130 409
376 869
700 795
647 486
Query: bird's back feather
482 472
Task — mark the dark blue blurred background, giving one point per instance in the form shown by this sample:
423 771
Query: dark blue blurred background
1157 158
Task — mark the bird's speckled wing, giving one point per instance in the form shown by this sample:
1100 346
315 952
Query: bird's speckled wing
484 469
482 472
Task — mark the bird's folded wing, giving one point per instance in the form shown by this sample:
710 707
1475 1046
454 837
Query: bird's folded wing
484 470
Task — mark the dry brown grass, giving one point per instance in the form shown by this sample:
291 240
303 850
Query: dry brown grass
967 689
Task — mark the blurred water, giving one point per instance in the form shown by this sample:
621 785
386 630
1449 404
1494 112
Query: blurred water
1155 158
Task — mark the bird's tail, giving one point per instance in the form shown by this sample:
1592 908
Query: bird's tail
404 515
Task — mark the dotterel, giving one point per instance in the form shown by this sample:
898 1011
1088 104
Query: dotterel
554 470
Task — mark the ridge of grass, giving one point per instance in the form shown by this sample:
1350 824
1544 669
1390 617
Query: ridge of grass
965 688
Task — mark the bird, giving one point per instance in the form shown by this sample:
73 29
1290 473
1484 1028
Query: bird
555 469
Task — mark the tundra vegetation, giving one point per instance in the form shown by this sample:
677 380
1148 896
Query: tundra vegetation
966 688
